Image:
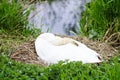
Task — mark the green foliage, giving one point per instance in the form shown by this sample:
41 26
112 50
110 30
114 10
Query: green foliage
13 19
100 15
17 71
11 16
10 69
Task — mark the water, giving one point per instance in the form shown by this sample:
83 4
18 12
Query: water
60 16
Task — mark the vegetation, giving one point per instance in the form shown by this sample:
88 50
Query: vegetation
101 19
11 16
13 33
13 20
10 69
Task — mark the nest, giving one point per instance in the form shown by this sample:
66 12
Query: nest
26 52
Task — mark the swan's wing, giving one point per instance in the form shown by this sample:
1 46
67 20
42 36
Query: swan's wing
43 48
76 51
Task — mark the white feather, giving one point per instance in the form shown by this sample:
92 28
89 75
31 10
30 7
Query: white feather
52 49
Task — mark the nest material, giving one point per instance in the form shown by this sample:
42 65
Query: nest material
26 52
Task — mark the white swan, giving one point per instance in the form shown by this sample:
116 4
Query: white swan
52 49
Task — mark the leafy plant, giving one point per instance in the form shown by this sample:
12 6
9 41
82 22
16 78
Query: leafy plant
10 69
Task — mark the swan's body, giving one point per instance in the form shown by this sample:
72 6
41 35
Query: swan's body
51 49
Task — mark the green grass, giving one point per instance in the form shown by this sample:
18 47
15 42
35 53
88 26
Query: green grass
13 21
99 17
13 26
10 69
11 16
